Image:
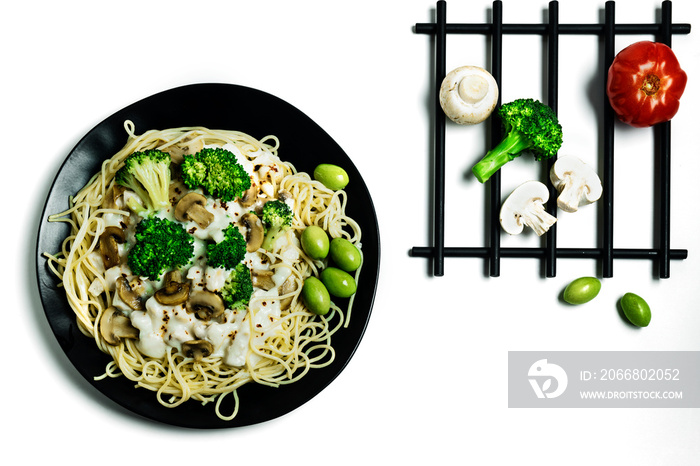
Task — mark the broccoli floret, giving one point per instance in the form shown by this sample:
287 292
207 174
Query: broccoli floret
529 125
217 171
147 173
276 219
227 253
160 245
238 288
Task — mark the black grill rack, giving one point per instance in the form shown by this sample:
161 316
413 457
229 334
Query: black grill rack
548 252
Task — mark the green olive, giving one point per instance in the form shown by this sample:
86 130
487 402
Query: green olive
636 309
314 242
345 254
582 290
332 176
338 282
315 296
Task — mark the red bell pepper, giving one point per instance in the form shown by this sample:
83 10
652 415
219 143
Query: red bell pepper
645 84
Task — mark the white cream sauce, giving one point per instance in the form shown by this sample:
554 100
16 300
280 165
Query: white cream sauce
232 335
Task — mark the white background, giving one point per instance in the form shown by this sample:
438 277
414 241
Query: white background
429 381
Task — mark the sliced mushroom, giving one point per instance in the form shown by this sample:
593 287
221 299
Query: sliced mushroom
115 326
287 287
205 304
284 195
255 232
525 207
188 146
263 279
577 183
109 240
117 192
172 276
249 196
128 295
173 293
112 196
192 208
468 95
108 202
197 349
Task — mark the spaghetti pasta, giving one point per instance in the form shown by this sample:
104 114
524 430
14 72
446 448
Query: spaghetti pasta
273 347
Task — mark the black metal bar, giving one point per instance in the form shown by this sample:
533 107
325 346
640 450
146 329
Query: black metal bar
663 140
543 29
549 252
439 156
496 135
608 143
562 253
553 101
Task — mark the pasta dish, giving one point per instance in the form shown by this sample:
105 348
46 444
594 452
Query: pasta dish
195 293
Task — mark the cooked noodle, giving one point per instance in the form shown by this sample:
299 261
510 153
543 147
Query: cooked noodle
299 340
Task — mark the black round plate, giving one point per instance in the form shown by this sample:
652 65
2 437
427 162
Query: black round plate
217 106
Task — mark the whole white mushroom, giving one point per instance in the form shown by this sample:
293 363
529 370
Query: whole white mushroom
468 95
